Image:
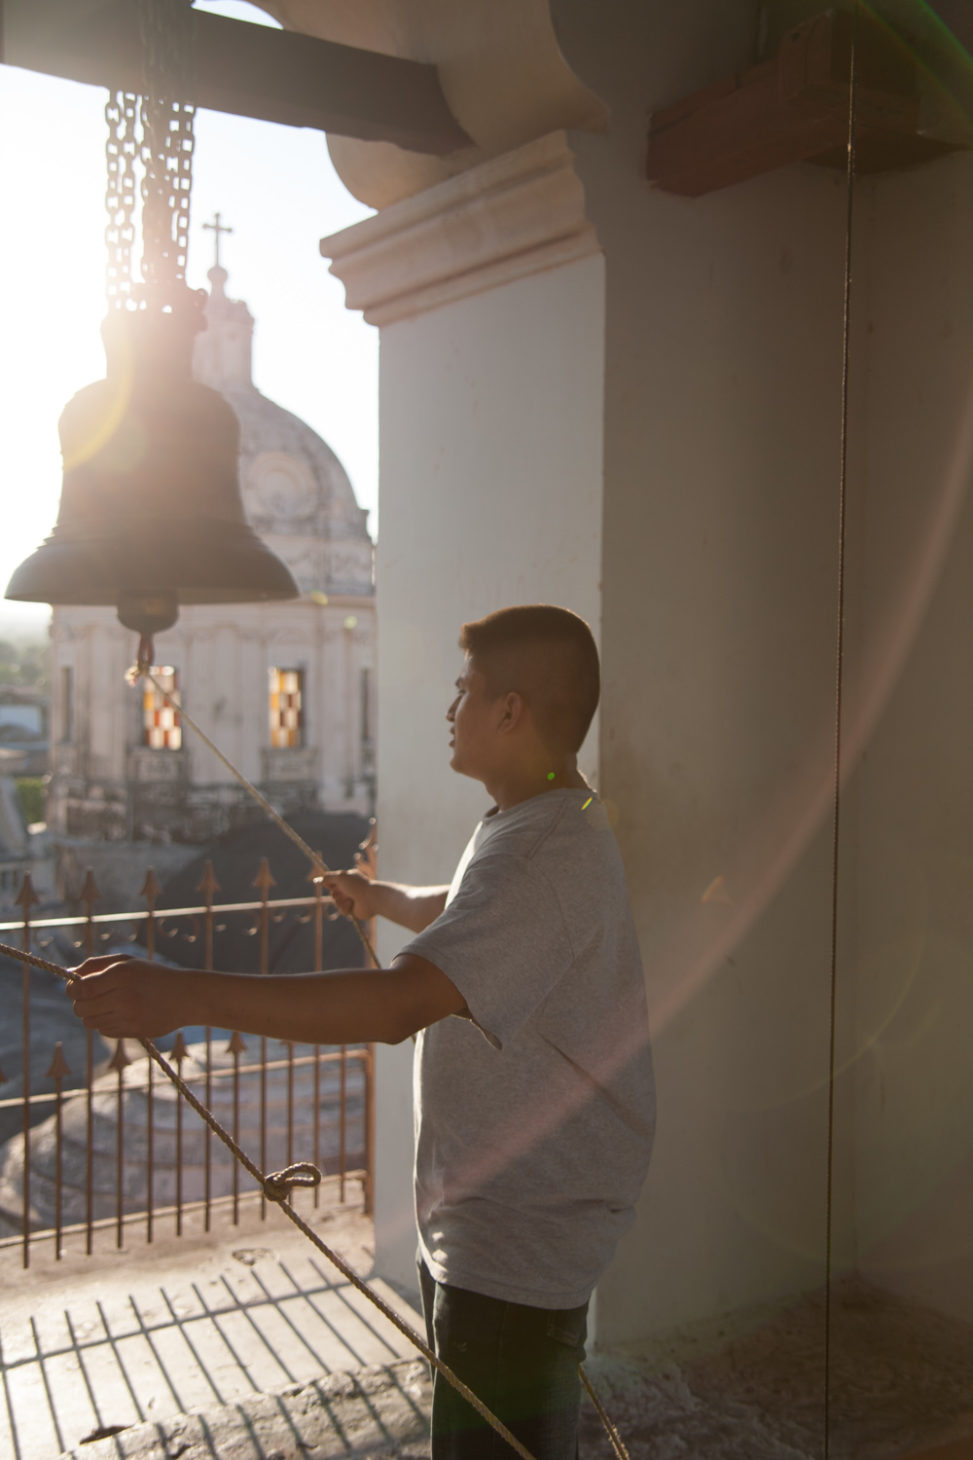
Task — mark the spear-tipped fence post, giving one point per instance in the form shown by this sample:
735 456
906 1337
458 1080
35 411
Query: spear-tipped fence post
89 896
208 887
318 918
26 898
367 860
58 1072
150 891
263 882
179 1053
118 1062
236 1047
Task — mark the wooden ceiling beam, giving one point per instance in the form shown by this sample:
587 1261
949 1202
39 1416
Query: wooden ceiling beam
248 70
794 108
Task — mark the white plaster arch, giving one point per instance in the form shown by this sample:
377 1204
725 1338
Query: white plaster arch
503 73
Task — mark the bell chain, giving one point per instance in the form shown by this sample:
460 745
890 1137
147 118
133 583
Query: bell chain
157 131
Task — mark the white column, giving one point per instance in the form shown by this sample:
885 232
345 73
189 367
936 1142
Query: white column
490 288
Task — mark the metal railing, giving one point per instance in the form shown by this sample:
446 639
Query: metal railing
103 1141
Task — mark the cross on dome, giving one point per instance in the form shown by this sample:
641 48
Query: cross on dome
216 228
221 352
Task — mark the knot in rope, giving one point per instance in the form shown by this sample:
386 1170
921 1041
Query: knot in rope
277 1184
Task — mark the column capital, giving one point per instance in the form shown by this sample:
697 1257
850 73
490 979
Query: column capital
514 215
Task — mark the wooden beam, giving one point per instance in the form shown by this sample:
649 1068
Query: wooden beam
248 70
794 108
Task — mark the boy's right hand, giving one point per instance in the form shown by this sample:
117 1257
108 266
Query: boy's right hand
354 894
127 997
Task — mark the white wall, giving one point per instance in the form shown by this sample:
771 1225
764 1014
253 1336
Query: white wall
723 361
653 438
723 357
720 534
491 466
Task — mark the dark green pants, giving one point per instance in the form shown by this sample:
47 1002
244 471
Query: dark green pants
522 1362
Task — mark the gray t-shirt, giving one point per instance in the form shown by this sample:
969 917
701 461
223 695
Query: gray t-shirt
535 1116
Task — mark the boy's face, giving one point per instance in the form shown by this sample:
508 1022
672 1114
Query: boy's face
473 717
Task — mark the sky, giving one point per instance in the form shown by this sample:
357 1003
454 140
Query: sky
274 186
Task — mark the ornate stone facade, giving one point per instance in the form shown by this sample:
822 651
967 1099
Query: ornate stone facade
285 689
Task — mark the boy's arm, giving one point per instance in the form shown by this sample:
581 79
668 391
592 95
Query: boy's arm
132 998
411 907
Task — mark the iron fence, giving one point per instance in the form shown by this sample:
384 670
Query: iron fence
103 1141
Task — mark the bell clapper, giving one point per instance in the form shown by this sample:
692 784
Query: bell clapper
146 654
144 659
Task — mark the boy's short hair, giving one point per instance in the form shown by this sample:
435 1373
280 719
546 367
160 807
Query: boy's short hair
548 655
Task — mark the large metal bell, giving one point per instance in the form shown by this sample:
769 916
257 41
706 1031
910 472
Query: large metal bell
150 514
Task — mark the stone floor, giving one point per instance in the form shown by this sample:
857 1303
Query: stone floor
245 1345
901 1386
196 1324
378 1412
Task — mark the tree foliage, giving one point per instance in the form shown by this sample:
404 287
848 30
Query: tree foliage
32 791
24 663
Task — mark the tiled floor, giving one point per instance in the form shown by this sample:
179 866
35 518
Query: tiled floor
147 1333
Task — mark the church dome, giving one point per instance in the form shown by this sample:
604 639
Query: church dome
296 494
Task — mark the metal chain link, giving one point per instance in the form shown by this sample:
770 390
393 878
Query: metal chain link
156 130
121 150
167 142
